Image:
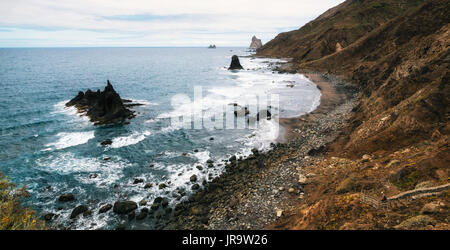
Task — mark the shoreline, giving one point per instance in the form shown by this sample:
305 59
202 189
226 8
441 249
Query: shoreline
233 199
329 99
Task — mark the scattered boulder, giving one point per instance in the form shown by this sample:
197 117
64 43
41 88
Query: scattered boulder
137 181
162 186
235 64
124 207
66 197
431 208
49 216
148 185
417 221
195 186
193 178
143 202
143 214
78 210
106 142
105 208
155 206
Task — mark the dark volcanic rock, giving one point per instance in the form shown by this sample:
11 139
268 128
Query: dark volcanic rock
124 207
235 64
78 210
105 208
66 197
102 107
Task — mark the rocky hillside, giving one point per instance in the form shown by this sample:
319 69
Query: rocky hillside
335 29
397 54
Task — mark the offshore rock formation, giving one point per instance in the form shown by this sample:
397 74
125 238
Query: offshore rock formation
102 107
235 64
256 43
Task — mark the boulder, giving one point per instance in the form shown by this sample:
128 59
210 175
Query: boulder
78 210
417 221
66 197
106 142
124 207
105 208
235 64
431 208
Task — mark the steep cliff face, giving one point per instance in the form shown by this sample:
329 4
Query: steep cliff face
400 64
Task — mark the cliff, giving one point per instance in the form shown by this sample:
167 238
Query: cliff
397 54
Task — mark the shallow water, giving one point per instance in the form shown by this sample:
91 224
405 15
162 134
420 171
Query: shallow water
54 150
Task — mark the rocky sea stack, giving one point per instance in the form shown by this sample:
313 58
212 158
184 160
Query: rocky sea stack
256 43
235 64
103 107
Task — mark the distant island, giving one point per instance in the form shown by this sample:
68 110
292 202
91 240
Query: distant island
212 46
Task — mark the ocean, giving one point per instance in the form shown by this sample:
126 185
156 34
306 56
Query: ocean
53 150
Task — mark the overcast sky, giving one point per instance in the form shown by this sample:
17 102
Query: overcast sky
37 23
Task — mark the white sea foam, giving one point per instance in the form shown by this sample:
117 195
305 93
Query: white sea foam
70 139
82 167
134 138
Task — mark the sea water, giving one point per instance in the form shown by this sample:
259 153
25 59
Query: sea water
54 150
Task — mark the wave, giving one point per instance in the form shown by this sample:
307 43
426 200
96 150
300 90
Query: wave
70 139
134 138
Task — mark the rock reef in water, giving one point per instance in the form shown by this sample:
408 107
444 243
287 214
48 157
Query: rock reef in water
256 43
103 107
235 64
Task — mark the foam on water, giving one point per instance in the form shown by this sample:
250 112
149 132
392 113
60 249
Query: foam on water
134 138
70 139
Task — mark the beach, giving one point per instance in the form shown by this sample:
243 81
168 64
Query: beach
254 192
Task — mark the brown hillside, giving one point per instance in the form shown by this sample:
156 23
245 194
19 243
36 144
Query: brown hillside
337 28
400 62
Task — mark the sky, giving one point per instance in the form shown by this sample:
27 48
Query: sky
149 23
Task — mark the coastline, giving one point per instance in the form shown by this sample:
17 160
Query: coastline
233 200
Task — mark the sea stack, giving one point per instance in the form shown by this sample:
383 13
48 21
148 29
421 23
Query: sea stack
102 107
235 64
256 43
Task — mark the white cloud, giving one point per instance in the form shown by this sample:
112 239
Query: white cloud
151 23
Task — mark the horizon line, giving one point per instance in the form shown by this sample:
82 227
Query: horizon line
43 47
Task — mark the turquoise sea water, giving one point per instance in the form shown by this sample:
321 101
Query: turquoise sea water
54 150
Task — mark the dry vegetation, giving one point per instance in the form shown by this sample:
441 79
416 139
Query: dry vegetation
12 215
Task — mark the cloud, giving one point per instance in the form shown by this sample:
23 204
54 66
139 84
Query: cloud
151 23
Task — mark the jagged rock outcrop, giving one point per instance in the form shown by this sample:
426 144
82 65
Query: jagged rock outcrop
235 64
102 107
256 43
